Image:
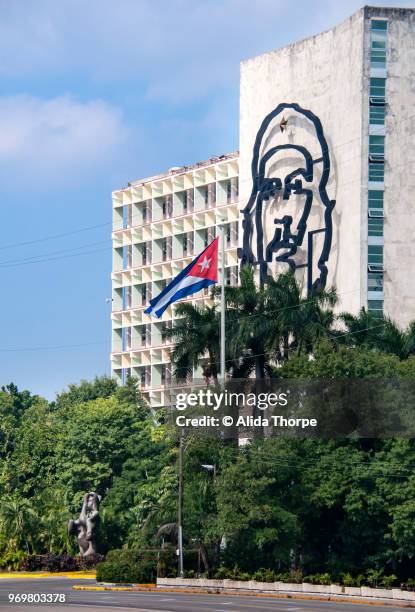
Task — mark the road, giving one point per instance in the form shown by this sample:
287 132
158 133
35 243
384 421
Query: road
119 601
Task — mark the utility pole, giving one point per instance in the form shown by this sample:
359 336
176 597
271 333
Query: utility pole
180 512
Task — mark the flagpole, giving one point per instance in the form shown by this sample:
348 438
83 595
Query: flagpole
222 308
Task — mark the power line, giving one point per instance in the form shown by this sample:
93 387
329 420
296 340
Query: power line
26 263
53 237
43 255
52 348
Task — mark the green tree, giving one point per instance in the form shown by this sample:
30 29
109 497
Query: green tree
196 337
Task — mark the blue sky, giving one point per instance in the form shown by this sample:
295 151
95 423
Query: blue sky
94 93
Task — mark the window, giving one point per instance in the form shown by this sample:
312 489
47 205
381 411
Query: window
167 206
145 377
375 226
146 211
189 200
378 44
375 281
127 256
210 235
377 115
187 244
211 194
146 253
376 172
375 203
165 374
228 235
231 275
126 338
375 258
232 234
145 293
234 188
127 213
378 89
146 334
126 297
165 326
205 235
375 307
379 24
228 192
125 373
376 148
378 55
166 248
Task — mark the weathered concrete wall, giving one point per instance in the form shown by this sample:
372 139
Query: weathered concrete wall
284 587
399 243
325 75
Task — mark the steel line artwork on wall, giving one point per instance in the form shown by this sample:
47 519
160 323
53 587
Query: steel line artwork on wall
290 171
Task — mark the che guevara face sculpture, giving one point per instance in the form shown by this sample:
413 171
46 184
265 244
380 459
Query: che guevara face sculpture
288 218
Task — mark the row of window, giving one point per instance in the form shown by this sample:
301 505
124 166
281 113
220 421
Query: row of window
377 111
144 332
206 194
165 245
144 375
146 289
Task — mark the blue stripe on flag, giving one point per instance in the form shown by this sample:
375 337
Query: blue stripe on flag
182 293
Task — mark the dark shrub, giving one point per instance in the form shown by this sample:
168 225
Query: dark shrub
129 566
59 563
127 573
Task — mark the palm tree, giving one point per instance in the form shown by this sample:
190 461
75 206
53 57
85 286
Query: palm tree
378 333
263 325
248 326
17 521
196 337
301 321
410 339
375 332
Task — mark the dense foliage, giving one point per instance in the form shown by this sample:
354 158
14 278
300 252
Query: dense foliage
339 507
343 509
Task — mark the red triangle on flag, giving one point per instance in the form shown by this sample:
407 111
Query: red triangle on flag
206 265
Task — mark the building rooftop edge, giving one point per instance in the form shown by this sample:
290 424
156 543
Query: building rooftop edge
181 169
365 10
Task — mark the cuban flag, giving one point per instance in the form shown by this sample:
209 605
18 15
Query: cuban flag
200 273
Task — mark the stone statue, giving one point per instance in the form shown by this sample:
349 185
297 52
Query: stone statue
85 527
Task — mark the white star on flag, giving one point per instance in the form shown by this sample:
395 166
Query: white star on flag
204 264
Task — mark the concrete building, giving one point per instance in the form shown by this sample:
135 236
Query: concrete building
335 113
159 225
326 184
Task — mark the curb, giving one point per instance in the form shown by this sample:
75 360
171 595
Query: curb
40 575
143 588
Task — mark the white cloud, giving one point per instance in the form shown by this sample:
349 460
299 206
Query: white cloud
175 51
56 141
